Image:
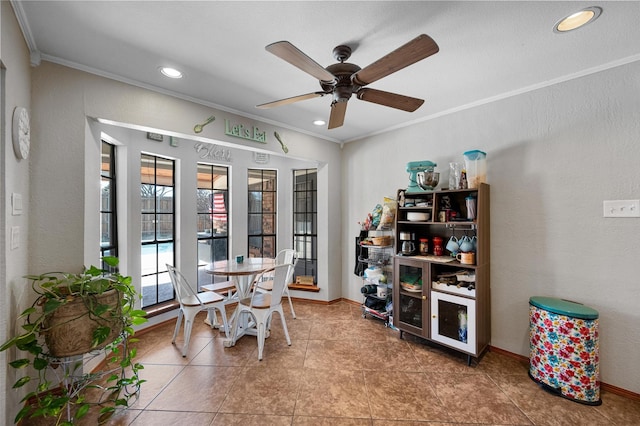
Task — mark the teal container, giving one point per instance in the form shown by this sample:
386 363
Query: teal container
564 349
564 307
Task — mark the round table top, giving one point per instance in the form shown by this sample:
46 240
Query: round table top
250 266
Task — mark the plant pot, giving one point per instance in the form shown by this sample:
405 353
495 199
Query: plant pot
69 330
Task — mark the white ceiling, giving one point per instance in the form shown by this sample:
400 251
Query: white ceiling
488 50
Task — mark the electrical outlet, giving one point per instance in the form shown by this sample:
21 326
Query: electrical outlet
621 208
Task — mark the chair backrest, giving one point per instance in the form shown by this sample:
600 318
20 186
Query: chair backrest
181 285
279 274
287 256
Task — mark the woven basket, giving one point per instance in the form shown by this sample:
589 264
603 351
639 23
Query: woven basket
70 328
381 241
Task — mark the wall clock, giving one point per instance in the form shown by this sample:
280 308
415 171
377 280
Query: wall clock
21 132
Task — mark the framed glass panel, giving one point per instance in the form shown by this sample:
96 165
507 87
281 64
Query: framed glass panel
158 220
305 218
212 219
261 216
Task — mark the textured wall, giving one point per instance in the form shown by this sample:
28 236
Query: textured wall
553 156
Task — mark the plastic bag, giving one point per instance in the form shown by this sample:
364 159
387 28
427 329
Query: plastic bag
388 214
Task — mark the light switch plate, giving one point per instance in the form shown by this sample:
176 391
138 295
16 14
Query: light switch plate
16 204
15 237
621 208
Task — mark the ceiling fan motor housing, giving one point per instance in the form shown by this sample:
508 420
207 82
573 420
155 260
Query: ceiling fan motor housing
342 87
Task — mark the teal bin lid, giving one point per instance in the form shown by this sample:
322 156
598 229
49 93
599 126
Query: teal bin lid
476 154
564 307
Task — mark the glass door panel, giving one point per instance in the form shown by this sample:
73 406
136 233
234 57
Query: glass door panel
453 321
411 312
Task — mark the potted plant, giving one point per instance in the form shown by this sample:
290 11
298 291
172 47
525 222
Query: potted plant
76 316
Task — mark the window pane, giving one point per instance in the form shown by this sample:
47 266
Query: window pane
203 200
148 194
255 224
149 259
149 290
165 288
255 180
164 227
204 176
255 246
148 227
269 202
220 178
105 198
268 224
147 169
106 230
164 195
105 166
269 247
164 171
165 255
269 180
255 202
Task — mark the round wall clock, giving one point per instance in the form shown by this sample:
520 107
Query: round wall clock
21 132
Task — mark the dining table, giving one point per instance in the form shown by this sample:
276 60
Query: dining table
243 275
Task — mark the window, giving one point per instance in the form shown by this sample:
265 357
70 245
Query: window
213 218
158 228
305 218
262 212
108 217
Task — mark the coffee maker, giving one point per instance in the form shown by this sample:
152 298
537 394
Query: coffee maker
407 244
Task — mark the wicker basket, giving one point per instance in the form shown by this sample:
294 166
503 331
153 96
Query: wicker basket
70 328
381 241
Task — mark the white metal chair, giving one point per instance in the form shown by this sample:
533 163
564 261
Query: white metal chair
262 305
286 256
191 303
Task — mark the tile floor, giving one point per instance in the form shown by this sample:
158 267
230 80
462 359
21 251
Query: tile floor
342 369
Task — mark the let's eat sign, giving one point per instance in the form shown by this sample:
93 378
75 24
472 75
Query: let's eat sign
240 131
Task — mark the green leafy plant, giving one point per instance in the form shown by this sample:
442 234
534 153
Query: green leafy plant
62 390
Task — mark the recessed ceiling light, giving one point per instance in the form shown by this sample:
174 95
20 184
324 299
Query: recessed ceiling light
170 72
319 122
577 20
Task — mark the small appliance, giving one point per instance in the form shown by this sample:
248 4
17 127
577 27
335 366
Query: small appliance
407 247
415 167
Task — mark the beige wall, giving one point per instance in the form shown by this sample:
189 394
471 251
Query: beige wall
554 155
14 178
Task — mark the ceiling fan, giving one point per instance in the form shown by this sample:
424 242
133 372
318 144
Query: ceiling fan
344 79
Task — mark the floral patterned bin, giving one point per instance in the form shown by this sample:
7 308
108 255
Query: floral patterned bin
564 357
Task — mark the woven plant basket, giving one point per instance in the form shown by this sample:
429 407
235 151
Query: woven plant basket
70 328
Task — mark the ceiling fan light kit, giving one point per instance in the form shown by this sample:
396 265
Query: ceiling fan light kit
343 79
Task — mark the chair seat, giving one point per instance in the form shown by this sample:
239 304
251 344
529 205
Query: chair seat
220 287
206 298
266 285
260 301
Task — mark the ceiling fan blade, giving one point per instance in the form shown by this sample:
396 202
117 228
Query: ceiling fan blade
288 52
290 100
393 100
407 54
338 110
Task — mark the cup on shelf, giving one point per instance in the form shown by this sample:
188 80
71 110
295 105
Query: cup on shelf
453 245
468 258
465 243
